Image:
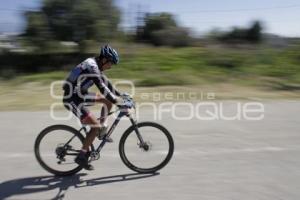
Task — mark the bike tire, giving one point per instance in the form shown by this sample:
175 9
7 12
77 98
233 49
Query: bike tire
131 130
38 140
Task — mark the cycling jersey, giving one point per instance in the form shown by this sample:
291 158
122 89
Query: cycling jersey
84 75
76 86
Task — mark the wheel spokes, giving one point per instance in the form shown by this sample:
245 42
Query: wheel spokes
144 155
59 156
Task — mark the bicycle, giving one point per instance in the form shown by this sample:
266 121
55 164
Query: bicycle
139 145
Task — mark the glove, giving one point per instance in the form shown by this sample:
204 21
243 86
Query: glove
124 103
125 96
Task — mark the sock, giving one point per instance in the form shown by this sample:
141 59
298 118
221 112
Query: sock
83 151
104 124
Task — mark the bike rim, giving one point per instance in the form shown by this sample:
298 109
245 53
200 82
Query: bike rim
55 155
153 155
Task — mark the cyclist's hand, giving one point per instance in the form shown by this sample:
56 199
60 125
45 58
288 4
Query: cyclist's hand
122 102
125 96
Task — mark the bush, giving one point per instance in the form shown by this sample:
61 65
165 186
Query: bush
253 34
225 60
29 63
162 29
176 37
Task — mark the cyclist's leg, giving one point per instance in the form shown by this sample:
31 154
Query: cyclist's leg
107 105
77 106
93 98
92 121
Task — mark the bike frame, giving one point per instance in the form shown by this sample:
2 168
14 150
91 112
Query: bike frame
121 114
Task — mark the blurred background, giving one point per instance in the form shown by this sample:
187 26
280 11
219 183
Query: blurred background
234 49
232 52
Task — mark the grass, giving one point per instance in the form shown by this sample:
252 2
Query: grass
183 66
230 73
36 95
41 77
153 66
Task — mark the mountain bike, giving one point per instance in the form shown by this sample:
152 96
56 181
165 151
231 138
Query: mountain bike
144 147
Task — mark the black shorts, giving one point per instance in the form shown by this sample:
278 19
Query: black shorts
78 105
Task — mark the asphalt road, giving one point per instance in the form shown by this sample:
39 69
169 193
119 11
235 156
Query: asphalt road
213 160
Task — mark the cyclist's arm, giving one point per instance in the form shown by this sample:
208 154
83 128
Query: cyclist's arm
103 88
110 86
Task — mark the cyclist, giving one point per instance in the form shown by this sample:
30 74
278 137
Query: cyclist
76 96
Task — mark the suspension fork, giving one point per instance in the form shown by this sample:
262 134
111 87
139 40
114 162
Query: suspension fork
138 134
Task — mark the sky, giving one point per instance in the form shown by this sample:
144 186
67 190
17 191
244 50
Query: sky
278 16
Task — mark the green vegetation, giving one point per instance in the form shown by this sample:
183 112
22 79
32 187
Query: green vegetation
152 66
229 73
161 29
241 63
253 34
68 20
278 69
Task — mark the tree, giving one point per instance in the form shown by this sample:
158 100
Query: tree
162 29
156 22
254 33
74 20
37 30
171 36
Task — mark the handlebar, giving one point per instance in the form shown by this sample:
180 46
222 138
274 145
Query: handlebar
128 102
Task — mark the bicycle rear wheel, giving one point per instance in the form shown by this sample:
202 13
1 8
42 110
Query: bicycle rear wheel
56 147
151 156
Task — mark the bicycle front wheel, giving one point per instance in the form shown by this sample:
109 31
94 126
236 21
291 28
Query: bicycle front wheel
146 147
56 148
